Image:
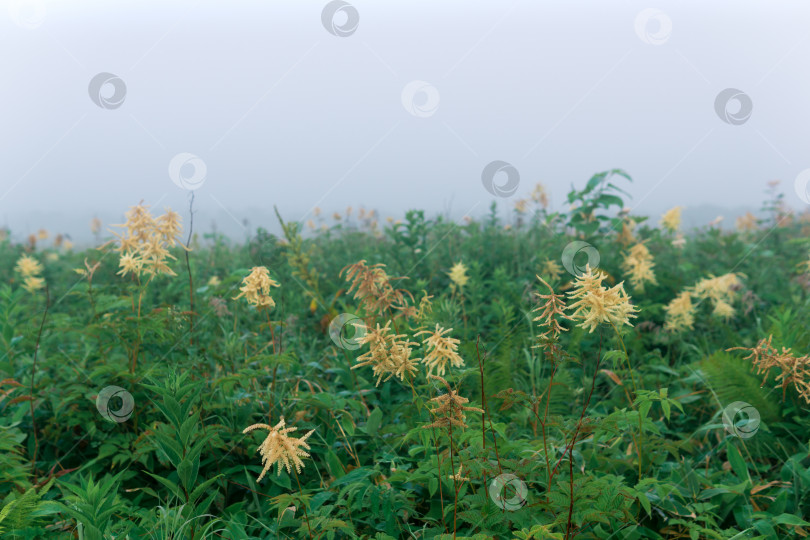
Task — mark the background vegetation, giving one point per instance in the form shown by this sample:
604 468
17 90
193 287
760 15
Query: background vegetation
618 433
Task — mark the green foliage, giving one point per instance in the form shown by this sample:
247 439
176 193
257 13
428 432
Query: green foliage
613 434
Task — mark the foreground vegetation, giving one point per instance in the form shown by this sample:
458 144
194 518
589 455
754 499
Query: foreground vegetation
563 375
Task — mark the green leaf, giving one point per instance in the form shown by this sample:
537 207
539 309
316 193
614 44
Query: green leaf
335 465
667 409
737 462
199 490
790 519
433 485
374 420
174 488
355 475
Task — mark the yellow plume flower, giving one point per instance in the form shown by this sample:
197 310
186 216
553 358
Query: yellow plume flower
28 266
721 291
441 350
458 275
143 245
256 288
280 448
671 220
639 264
389 353
32 283
597 304
680 313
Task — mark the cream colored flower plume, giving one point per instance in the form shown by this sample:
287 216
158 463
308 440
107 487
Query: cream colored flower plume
639 264
389 353
458 275
441 350
144 244
671 220
597 304
280 448
28 266
256 288
721 291
680 313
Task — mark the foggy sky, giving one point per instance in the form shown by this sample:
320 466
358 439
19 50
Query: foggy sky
282 112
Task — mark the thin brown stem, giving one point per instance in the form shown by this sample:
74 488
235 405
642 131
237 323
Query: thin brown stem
570 447
455 479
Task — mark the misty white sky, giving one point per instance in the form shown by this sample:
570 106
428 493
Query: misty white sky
282 112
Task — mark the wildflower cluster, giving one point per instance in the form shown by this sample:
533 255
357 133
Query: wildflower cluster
671 220
458 275
680 313
596 304
720 291
372 286
747 222
30 270
551 269
280 448
625 236
441 350
451 408
551 312
794 370
256 288
389 353
144 243
639 265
